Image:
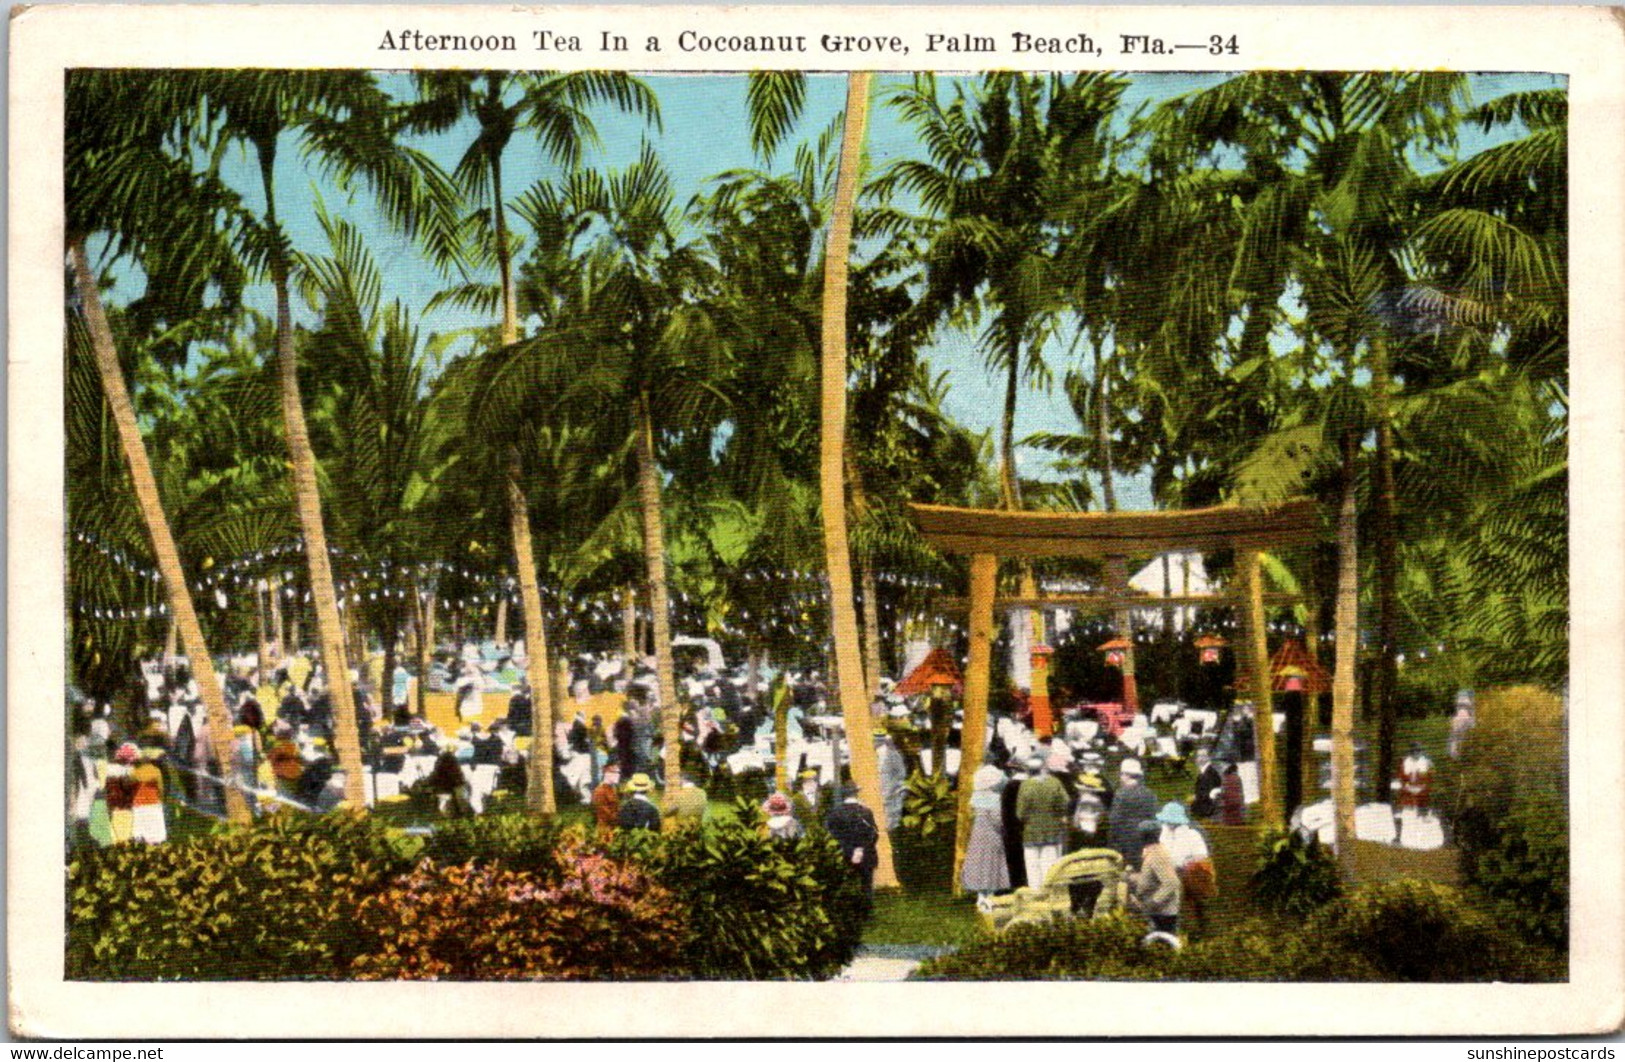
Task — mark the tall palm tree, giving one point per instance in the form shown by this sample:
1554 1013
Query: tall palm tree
554 106
1328 156
776 101
623 287
343 121
378 426
1005 158
121 178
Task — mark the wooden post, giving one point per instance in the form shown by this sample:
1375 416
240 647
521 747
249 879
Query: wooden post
984 572
1123 620
1258 662
1038 693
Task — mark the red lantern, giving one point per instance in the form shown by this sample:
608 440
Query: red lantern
1209 647
1115 651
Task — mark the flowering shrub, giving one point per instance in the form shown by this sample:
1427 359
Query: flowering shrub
269 902
599 920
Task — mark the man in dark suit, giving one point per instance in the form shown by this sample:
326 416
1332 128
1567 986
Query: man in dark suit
520 709
638 812
853 827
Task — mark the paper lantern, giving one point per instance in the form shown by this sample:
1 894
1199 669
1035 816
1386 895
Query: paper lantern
1209 647
1115 651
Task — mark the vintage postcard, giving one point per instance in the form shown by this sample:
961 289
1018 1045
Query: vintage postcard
799 522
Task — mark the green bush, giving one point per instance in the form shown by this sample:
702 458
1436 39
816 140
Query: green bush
755 908
1507 799
601 919
274 901
1526 872
1423 931
1294 876
517 842
1394 931
1260 950
1101 949
928 805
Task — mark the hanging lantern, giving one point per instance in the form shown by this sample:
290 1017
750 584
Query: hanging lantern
1291 678
1209 646
1115 651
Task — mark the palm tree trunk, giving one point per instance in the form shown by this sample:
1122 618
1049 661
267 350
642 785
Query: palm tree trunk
1256 652
276 616
308 502
262 653
1387 566
424 602
539 788
499 225
779 696
866 579
1348 641
871 631
753 672
1009 482
293 630
654 560
629 632
1103 432
502 617
145 486
831 468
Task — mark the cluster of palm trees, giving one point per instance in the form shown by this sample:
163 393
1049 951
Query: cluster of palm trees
1284 282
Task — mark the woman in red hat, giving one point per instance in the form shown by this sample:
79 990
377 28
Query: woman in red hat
121 793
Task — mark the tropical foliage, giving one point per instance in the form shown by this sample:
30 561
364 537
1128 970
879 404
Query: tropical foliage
709 400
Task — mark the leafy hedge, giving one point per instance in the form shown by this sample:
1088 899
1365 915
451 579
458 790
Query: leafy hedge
1294 876
1102 949
517 842
495 897
1508 802
275 901
1394 931
755 908
599 920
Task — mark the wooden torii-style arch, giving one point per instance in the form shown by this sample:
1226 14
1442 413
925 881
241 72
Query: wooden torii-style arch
989 535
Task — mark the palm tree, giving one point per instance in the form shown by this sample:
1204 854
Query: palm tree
554 105
380 436
121 180
343 121
1327 156
776 101
1005 160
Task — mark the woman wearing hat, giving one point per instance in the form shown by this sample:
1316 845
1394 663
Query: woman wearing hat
638 812
147 799
782 824
985 871
1188 849
1154 888
121 793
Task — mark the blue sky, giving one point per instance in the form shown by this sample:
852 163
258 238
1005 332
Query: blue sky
705 132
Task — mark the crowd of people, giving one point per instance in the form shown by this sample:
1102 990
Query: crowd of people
1036 798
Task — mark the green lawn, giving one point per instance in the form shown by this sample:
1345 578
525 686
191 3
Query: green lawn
930 919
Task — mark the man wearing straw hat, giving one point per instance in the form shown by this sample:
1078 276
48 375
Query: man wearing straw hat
638 811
